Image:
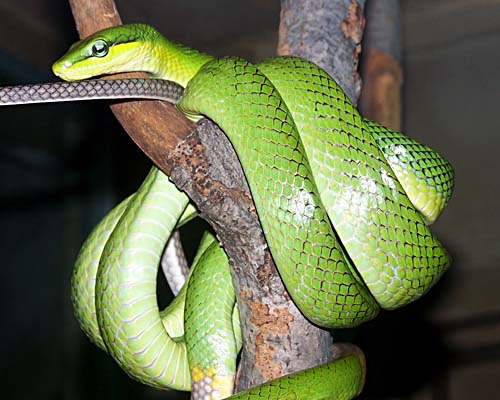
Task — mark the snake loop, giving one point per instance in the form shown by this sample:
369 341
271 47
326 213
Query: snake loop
344 204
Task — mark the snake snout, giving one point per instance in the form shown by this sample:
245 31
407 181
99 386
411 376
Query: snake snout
60 68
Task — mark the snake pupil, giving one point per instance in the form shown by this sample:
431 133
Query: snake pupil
100 48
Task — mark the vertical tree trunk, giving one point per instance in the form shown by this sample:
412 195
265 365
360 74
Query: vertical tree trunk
327 33
381 66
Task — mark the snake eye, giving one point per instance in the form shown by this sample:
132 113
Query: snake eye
100 48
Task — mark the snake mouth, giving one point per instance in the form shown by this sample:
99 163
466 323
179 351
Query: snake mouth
67 72
60 68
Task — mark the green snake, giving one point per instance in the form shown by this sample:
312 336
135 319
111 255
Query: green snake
344 203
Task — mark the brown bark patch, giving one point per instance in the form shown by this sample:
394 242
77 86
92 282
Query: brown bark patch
381 95
284 48
271 323
267 270
353 26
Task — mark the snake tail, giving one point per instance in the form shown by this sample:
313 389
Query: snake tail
341 379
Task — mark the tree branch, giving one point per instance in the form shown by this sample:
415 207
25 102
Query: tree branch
200 160
327 33
156 127
381 66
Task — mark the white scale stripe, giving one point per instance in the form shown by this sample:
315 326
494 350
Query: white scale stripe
138 250
138 235
131 285
136 317
135 300
144 350
171 213
156 222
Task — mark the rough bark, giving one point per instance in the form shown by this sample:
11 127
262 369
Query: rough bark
381 67
200 160
275 332
328 33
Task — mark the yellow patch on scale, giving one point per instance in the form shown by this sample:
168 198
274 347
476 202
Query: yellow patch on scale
197 374
210 384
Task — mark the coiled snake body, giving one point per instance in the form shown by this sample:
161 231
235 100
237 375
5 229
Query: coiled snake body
345 208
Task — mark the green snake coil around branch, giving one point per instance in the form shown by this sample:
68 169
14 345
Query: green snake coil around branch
344 203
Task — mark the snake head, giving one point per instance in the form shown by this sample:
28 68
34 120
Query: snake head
123 48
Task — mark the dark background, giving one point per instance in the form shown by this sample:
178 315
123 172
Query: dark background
63 166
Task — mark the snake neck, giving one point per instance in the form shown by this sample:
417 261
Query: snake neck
174 62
